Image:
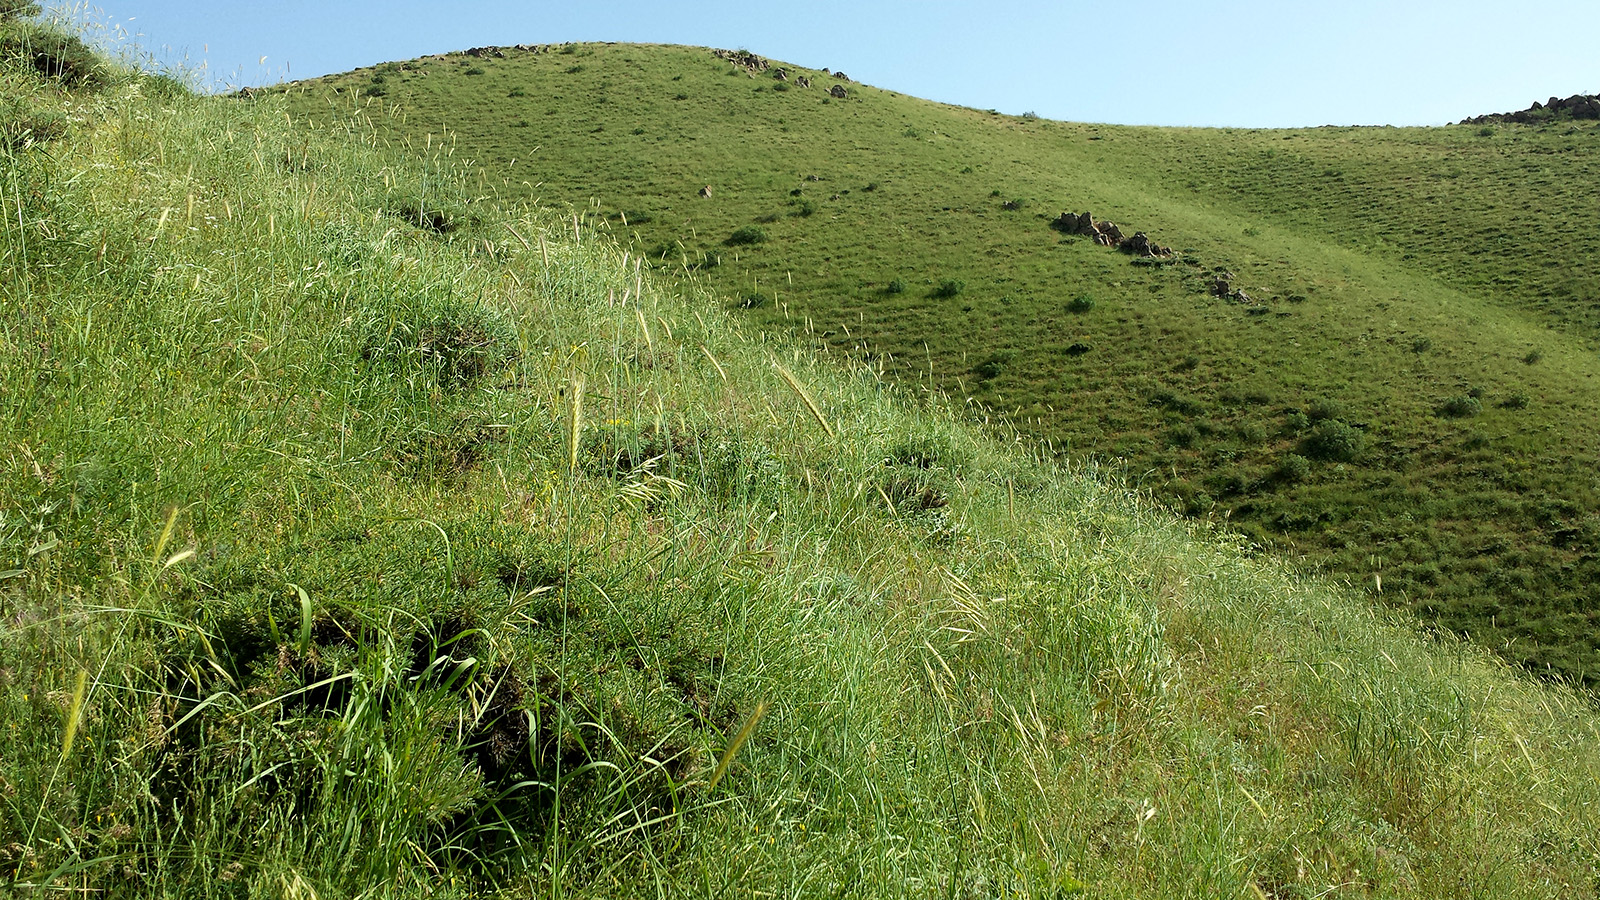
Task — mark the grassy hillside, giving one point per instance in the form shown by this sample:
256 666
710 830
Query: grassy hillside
1406 398
347 557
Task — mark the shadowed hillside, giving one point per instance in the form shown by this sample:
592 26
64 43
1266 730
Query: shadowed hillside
1374 349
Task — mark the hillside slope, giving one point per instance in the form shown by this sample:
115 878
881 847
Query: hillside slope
1403 393
343 556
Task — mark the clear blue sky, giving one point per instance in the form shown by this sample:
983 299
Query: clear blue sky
1250 63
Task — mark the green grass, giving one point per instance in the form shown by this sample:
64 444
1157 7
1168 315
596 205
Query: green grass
1389 271
347 555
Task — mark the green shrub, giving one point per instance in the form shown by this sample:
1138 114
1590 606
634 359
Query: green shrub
1324 409
949 287
517 92
749 234
897 286
475 70
1517 400
1333 440
1463 407
994 364
1532 356
1081 304
804 207
753 300
460 341
1421 344
1293 468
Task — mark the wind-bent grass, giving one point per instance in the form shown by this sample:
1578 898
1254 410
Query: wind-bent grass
405 562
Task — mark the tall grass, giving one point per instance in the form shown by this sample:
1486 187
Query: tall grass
405 562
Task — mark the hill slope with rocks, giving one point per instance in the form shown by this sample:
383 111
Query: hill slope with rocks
1371 349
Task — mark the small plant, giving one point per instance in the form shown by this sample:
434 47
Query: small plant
1334 441
1486 131
897 286
517 92
780 86
1462 407
746 236
1323 409
1081 304
475 70
754 300
948 288
1517 400
639 130
1421 344
1292 469
804 207
870 186
1030 115
571 70
1532 357
994 364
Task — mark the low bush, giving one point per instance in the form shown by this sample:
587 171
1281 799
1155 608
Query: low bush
1081 304
897 286
1334 441
1463 407
949 287
746 236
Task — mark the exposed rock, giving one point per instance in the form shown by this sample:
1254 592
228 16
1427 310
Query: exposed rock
841 76
838 91
781 74
1141 245
803 81
1221 287
1578 106
1106 234
744 59
705 191
486 52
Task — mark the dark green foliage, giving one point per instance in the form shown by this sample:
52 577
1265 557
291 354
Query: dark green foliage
754 300
994 364
1334 441
1532 357
475 70
439 214
1421 344
1324 409
54 54
1292 469
896 286
1081 304
1462 407
458 341
746 236
948 288
1517 400
804 207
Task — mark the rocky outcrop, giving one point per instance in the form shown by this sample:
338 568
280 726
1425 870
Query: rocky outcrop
1578 106
802 81
706 191
838 91
1107 234
744 59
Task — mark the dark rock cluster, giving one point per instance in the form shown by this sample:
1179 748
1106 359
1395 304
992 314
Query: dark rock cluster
743 59
1107 234
1578 106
